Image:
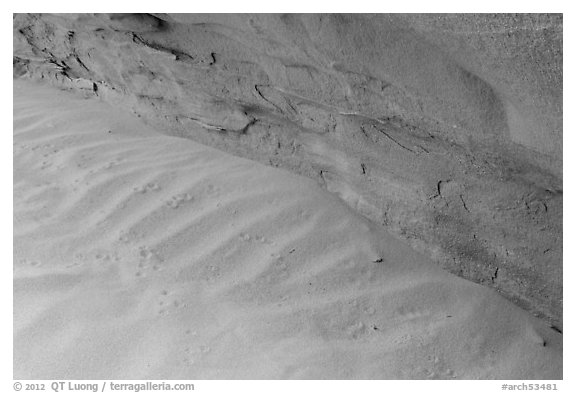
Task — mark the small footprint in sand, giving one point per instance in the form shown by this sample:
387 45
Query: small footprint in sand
167 304
148 187
193 355
129 236
403 339
256 238
145 252
408 313
438 369
178 200
149 258
213 273
356 330
103 256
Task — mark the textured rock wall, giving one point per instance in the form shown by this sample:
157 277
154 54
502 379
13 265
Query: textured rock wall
447 129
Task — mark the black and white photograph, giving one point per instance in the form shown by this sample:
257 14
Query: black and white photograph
287 196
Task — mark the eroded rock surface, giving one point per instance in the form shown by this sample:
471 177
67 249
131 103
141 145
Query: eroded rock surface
446 129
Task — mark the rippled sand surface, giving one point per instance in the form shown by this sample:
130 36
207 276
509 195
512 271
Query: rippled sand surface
140 255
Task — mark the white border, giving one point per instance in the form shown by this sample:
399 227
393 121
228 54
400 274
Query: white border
6 170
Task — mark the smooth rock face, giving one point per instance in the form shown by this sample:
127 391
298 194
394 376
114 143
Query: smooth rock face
446 129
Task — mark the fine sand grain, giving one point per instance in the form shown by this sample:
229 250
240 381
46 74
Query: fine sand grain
140 255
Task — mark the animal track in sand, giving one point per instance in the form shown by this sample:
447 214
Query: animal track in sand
356 330
105 257
437 369
148 258
255 238
167 305
129 236
147 187
195 354
178 200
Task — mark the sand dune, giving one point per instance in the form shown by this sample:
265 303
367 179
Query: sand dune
140 255
444 128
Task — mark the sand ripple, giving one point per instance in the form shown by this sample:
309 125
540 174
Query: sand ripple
139 255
